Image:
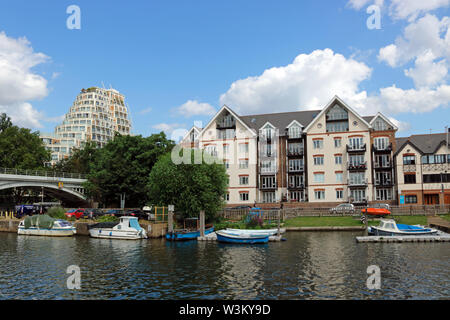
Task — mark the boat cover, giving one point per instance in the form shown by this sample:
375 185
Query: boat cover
42 221
135 224
406 227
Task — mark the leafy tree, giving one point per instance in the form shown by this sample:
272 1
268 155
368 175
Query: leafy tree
123 166
21 148
190 187
80 160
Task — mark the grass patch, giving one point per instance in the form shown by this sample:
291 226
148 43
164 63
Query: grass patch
422 220
242 225
348 221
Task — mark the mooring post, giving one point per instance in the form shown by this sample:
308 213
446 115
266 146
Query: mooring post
366 231
170 218
202 223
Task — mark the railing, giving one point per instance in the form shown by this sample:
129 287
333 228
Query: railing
294 153
378 165
409 168
300 169
296 186
42 173
388 148
357 166
356 183
359 148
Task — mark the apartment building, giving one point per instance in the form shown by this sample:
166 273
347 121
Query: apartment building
95 115
328 156
422 165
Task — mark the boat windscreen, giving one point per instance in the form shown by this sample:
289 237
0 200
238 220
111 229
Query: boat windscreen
135 225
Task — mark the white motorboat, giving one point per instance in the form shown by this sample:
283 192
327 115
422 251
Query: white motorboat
43 225
270 232
388 227
127 228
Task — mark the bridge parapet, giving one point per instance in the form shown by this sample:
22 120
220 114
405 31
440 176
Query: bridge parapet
42 173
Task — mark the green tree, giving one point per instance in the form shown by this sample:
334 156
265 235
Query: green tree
21 148
190 187
123 166
80 160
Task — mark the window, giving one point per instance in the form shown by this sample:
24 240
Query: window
243 148
356 160
226 149
384 194
339 194
339 176
410 199
227 164
211 150
380 125
268 182
295 148
337 142
243 180
358 195
295 132
295 181
319 177
409 178
337 126
318 161
409 159
356 143
243 164
318 144
269 197
268 166
296 165
357 178
381 143
296 195
337 113
319 194
338 159
243 196
227 197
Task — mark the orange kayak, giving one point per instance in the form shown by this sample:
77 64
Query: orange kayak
376 211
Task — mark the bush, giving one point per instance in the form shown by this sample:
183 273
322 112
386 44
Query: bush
57 213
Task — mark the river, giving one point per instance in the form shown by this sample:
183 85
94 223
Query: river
309 265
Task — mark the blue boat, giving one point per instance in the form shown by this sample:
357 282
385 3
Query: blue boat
184 234
389 227
241 238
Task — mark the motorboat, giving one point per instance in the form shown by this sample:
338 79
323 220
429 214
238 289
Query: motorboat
186 234
228 236
270 232
127 228
44 225
388 227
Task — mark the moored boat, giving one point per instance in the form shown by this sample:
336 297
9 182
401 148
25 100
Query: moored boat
127 228
388 227
44 225
270 232
242 237
186 234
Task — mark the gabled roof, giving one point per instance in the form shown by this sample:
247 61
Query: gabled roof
280 120
197 129
234 114
379 114
424 143
332 102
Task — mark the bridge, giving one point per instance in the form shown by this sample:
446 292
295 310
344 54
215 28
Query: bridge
67 187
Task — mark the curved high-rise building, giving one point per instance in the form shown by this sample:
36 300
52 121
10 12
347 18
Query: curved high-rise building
95 115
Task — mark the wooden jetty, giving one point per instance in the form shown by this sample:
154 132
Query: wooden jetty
439 237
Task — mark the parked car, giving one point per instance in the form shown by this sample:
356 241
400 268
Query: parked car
241 208
92 213
137 213
114 212
343 208
77 213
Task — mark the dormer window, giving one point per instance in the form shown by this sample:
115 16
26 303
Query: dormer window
295 131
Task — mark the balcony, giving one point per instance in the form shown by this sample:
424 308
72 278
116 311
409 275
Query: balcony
385 183
293 186
299 169
295 153
386 165
265 154
358 183
357 166
359 201
387 149
225 125
357 148
409 168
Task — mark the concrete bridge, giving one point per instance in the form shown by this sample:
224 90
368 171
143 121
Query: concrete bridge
67 187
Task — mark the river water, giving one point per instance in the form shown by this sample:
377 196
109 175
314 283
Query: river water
309 265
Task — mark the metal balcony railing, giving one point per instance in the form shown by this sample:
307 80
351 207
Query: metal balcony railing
358 182
356 148
386 165
357 166
295 153
388 148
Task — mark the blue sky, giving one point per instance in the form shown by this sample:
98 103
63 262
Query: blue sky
163 54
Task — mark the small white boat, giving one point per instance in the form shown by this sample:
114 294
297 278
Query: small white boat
388 227
270 232
43 225
229 236
127 228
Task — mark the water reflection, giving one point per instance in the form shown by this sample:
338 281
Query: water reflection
309 265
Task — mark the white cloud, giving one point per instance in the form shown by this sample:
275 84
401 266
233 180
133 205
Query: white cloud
358 4
402 126
145 111
428 73
18 83
195 108
309 82
411 9
168 127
